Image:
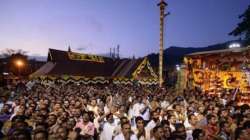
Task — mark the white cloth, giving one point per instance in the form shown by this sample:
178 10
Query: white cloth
137 108
164 104
151 125
147 133
188 132
97 123
106 109
172 127
108 131
121 137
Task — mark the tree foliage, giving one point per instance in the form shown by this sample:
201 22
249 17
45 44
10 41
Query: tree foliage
243 28
9 52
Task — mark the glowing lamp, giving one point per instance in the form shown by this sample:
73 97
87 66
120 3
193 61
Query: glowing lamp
234 45
19 63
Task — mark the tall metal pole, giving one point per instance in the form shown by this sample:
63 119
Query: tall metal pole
162 6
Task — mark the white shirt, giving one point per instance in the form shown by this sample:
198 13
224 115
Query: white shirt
188 132
137 111
137 108
121 137
108 130
164 104
97 123
172 127
147 133
151 125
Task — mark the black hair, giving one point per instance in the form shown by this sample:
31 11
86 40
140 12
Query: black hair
209 117
165 122
41 131
156 128
196 133
139 118
246 125
18 132
124 123
222 124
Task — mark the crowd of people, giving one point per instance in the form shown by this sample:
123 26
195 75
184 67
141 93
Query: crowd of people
119 112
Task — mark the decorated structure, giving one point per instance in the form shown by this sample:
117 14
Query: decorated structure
213 71
68 66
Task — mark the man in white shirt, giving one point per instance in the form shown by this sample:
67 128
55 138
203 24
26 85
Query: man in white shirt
108 128
190 125
126 133
154 121
141 109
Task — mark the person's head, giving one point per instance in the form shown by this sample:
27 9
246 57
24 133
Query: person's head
139 99
172 119
4 99
211 119
166 128
177 108
224 126
76 112
64 115
78 104
40 135
139 122
5 108
20 134
93 102
122 109
51 120
100 111
124 120
216 110
44 112
39 118
126 128
66 104
21 110
180 130
242 134
21 125
192 119
198 134
224 113
155 116
85 117
110 118
246 126
56 107
70 123
62 133
158 132
41 126
201 109
17 102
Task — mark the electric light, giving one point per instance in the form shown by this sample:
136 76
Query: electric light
234 45
19 63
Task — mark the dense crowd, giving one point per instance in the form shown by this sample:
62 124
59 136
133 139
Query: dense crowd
119 112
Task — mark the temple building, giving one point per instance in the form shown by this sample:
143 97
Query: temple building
68 66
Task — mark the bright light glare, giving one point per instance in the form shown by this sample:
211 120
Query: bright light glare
234 45
19 63
178 67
